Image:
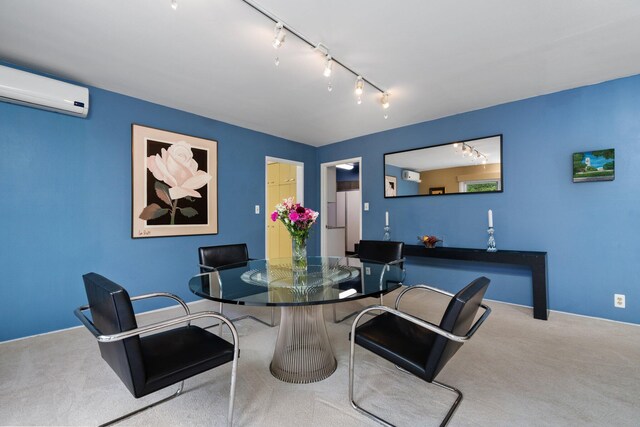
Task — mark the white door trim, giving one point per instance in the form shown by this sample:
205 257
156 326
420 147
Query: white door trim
323 198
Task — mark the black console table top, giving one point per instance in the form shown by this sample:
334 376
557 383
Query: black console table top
536 261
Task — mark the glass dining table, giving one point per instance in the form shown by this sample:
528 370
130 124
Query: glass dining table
302 352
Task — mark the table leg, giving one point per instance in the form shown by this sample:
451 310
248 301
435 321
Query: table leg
303 353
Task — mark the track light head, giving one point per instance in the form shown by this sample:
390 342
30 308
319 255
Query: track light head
385 100
174 4
278 35
328 66
359 86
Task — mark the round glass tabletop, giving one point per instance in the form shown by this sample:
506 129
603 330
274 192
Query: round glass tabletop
274 283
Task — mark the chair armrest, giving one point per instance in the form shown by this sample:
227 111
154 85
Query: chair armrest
423 323
166 295
427 287
207 267
396 261
153 327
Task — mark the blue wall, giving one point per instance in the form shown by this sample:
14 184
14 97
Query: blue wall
66 206
405 188
590 230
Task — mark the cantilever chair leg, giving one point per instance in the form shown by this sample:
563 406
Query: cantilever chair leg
455 404
382 421
137 411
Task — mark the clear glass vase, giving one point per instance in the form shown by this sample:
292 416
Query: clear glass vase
298 254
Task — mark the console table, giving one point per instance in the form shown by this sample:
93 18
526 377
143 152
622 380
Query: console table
536 261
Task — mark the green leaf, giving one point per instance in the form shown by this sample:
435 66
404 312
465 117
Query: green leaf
152 211
162 191
188 212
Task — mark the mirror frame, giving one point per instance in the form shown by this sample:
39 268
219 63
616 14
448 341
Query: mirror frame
384 164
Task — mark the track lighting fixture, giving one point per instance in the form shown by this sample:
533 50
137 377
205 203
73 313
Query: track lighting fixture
279 34
280 31
328 66
174 4
472 152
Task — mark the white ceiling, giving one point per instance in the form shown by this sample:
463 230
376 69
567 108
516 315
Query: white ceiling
436 58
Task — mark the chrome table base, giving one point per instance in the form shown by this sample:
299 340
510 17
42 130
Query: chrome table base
303 353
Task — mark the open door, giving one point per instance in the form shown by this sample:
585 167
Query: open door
284 178
341 206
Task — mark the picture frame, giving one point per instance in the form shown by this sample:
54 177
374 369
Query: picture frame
390 186
436 190
174 184
594 165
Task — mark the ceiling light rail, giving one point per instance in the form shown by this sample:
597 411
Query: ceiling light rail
279 36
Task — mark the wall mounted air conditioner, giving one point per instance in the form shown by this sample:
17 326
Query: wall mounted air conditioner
20 87
411 176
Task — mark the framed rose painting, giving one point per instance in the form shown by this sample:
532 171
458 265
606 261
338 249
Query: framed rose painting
174 184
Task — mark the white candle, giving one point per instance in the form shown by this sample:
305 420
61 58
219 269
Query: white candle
386 218
490 214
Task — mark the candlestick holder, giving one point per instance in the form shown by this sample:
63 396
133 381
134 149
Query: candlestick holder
387 233
491 243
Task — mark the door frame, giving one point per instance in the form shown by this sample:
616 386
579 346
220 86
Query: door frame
299 192
323 198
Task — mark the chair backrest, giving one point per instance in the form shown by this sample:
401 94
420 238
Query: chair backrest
457 319
381 250
217 256
112 312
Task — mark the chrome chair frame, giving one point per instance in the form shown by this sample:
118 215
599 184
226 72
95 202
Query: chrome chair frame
398 261
236 319
423 323
187 318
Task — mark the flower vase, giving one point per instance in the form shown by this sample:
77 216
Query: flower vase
299 255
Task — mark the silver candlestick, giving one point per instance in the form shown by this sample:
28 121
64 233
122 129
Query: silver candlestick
491 243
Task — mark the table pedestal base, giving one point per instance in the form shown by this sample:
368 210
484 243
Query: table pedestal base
303 352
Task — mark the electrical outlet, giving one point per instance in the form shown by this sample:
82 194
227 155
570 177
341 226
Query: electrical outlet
367 271
618 301
366 206
257 209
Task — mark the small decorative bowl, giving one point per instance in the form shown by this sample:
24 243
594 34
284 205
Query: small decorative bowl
429 242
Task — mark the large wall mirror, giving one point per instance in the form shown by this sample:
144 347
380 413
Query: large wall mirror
472 166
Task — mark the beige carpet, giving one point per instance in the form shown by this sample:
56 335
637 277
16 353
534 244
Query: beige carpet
516 371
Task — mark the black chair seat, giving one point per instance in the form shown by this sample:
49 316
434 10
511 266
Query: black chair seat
178 354
397 340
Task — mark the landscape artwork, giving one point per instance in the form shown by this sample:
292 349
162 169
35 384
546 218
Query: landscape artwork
597 165
174 183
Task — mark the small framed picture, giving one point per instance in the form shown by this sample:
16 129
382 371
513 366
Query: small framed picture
174 184
436 190
390 186
596 165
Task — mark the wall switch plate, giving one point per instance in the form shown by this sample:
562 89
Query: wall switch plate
257 209
618 301
366 206
367 271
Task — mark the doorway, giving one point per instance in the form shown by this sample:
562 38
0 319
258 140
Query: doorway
283 178
340 206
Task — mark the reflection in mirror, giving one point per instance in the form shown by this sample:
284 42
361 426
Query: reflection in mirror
473 166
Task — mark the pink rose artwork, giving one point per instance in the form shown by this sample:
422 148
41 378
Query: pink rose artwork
178 177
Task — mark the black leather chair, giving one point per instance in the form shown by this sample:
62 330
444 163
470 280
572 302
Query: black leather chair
416 346
152 362
379 251
214 257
